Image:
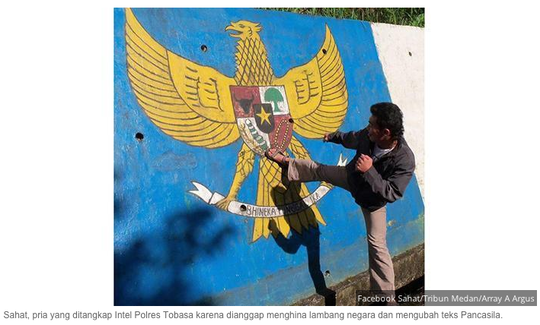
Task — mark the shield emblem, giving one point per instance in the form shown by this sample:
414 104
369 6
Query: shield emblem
263 117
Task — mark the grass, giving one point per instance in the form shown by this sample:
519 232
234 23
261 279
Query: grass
395 16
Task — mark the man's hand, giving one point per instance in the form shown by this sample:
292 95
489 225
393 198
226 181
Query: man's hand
326 137
363 163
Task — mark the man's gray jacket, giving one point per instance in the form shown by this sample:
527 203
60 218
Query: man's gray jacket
386 180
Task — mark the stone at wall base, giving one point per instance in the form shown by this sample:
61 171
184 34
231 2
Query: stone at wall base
408 266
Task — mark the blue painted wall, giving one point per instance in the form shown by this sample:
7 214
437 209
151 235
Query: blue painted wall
173 249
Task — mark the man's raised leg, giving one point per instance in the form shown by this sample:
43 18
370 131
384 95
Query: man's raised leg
303 170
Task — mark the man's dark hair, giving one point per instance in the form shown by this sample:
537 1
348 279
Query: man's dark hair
390 117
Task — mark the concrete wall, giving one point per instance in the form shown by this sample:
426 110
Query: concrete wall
401 52
174 248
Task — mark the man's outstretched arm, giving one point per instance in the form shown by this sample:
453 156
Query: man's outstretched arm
347 139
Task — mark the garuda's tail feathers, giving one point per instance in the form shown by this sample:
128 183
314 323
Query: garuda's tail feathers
273 192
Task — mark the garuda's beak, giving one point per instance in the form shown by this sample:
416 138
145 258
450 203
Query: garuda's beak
233 29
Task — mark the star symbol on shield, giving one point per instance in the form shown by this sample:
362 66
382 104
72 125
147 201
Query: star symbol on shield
263 115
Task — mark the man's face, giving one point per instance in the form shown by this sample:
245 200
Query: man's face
375 134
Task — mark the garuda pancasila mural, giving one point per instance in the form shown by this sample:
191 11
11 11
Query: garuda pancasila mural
202 107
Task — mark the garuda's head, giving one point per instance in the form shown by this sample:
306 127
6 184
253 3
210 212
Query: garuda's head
244 29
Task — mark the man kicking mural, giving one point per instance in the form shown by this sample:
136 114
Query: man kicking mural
230 109
378 174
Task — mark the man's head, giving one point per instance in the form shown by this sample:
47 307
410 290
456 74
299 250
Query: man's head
385 123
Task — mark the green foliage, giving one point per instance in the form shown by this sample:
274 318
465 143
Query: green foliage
273 95
395 16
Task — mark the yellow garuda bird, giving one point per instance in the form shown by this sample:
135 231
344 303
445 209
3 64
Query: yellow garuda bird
196 104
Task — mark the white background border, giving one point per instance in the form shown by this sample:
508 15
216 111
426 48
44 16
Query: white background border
56 127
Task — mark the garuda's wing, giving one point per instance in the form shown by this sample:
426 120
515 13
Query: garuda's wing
189 102
317 92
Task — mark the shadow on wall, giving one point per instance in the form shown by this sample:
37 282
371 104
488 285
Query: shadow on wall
309 239
118 203
166 256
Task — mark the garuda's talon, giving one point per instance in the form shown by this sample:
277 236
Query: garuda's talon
224 204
